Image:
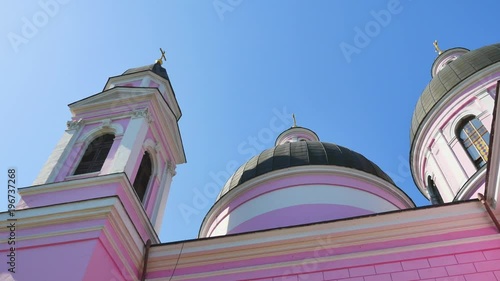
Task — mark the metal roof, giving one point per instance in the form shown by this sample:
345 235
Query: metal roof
156 68
301 153
449 77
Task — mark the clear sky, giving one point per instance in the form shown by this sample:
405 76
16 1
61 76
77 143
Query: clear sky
351 70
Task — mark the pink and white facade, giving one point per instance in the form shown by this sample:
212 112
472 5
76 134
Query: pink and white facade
302 210
462 87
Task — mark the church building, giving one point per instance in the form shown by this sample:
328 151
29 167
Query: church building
305 209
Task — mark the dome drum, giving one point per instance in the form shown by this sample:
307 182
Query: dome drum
298 183
301 195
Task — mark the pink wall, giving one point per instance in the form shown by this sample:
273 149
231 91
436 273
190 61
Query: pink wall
377 261
466 266
64 261
102 267
79 256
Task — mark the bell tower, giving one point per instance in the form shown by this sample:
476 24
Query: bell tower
129 131
98 202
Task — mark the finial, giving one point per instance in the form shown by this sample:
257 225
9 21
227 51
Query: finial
160 60
294 120
436 47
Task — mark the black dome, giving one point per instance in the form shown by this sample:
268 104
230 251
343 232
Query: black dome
449 77
155 68
301 153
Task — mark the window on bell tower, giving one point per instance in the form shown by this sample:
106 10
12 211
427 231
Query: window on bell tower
433 191
475 139
143 176
95 155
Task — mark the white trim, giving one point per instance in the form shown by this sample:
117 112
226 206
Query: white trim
84 145
492 189
106 127
451 131
58 157
465 192
163 192
101 180
149 147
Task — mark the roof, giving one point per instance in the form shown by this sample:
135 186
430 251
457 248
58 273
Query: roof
156 68
301 153
449 77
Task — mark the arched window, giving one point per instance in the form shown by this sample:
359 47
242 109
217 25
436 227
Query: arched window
95 155
143 176
433 192
475 139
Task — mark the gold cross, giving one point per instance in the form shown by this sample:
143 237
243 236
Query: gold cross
160 60
436 47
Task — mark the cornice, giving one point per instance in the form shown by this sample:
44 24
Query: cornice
409 227
164 84
119 178
60 214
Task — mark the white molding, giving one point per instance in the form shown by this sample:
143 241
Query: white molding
121 178
492 189
149 146
461 116
163 192
85 140
58 157
473 183
107 126
74 124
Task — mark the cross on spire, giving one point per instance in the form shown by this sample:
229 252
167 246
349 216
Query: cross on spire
160 60
436 47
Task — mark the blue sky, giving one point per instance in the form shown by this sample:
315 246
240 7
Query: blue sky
233 64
